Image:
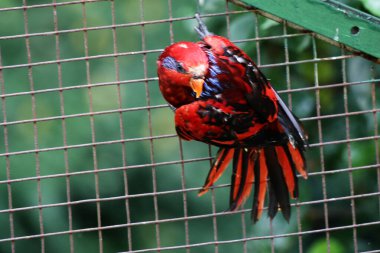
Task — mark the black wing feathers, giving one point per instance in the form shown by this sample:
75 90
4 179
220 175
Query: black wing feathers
278 188
291 125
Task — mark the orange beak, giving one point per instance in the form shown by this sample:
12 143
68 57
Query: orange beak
197 86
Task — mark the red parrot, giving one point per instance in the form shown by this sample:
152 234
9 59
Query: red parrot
220 97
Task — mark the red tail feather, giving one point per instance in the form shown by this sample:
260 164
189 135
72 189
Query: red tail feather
237 174
250 165
224 157
287 170
250 176
261 187
298 159
243 176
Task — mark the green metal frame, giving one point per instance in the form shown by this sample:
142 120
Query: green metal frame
330 20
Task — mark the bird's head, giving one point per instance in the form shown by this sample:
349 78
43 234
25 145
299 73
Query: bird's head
182 68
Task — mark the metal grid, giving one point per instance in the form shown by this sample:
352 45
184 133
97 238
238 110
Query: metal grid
51 196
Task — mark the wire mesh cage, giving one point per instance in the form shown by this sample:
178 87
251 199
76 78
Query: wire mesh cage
89 157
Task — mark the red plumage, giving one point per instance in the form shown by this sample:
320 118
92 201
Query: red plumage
220 97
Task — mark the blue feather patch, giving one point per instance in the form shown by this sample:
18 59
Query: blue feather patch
169 63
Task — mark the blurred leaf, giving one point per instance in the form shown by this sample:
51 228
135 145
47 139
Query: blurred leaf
268 23
359 69
373 6
244 26
321 246
305 43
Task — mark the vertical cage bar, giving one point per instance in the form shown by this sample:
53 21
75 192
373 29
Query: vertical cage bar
170 10
271 232
227 16
7 160
321 148
121 125
243 224
35 128
64 130
213 198
299 227
349 157
184 196
257 36
214 219
290 104
258 63
92 126
287 67
151 146
375 127
181 156
244 231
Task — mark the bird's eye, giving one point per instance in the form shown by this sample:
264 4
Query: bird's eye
171 63
180 68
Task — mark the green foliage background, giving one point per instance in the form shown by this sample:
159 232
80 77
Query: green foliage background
124 169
